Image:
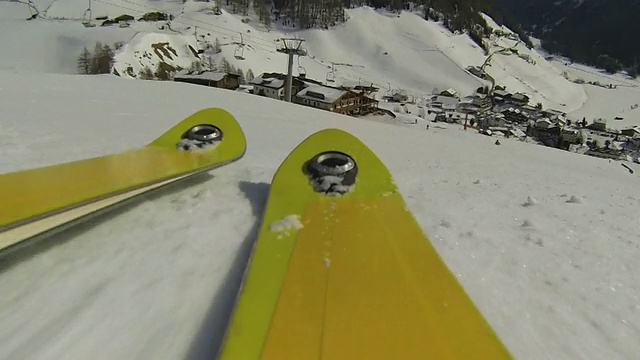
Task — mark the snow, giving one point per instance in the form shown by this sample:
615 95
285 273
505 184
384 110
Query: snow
543 240
203 74
393 52
332 185
147 49
289 222
268 81
195 145
623 101
327 95
158 279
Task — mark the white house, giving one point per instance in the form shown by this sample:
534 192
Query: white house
269 86
272 85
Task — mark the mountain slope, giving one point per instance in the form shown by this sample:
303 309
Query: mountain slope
393 51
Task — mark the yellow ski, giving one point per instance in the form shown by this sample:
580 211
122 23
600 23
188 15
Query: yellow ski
37 200
341 270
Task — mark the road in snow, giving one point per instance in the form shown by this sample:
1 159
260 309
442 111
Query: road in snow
543 240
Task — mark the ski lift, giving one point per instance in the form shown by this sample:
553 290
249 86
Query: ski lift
216 8
199 48
86 19
239 53
302 72
32 10
331 76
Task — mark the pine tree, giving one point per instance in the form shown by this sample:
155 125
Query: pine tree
106 60
84 62
260 8
196 66
207 63
162 71
225 66
212 65
249 75
146 74
97 55
241 79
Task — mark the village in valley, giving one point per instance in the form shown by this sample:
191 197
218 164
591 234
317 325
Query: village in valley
496 112
492 110
356 100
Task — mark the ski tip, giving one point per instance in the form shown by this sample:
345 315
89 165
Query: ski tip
333 132
205 129
333 139
331 155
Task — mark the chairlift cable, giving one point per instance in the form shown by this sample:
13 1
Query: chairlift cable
261 46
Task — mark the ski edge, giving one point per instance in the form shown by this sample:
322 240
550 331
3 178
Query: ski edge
81 212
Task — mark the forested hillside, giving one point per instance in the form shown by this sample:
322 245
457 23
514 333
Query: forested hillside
456 15
595 32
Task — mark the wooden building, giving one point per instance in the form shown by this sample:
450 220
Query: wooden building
346 102
209 78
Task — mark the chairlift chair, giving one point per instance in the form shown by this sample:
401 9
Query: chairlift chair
216 8
302 72
239 53
32 10
86 19
331 76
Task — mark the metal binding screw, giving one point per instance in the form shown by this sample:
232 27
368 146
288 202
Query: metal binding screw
204 133
332 163
332 172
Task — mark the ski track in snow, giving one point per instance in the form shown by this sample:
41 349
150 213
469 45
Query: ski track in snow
119 277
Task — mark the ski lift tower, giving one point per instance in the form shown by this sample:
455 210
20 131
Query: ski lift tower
291 47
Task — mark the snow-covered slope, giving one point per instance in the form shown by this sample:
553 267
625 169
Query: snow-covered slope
612 97
529 72
543 240
394 52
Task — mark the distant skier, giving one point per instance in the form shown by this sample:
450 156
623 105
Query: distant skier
497 142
